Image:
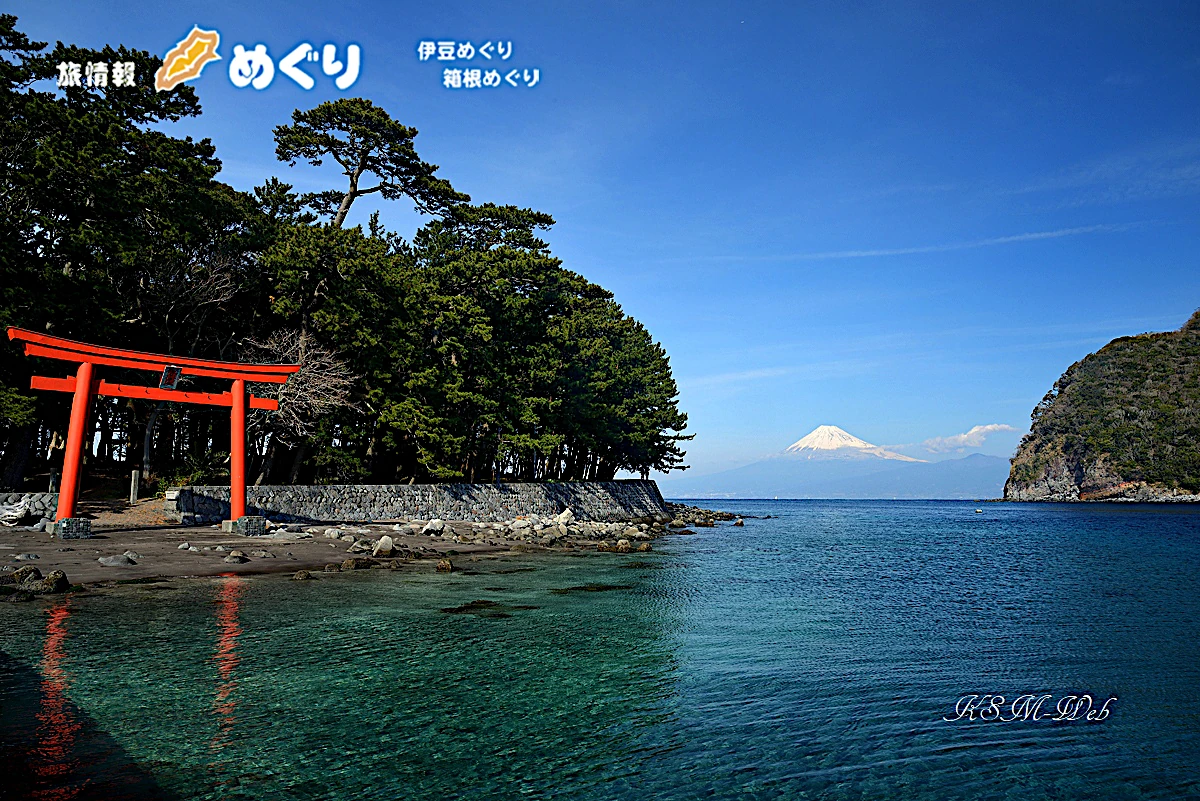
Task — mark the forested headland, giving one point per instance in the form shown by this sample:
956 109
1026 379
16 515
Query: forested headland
1121 424
465 351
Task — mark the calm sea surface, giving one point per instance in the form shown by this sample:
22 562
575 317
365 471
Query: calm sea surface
812 655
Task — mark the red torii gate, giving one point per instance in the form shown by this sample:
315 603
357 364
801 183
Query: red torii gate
84 386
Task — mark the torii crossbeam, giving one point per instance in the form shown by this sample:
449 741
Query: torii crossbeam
84 386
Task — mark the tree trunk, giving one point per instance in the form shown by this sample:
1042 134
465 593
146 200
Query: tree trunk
149 438
16 457
267 464
301 453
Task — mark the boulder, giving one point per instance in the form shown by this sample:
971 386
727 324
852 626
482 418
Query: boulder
385 547
235 558
26 557
677 523
644 547
19 596
26 573
184 546
54 582
704 524
133 555
262 554
331 568
565 517
623 546
445 566
518 525
302 575
739 522
361 546
333 533
434 527
120 560
357 563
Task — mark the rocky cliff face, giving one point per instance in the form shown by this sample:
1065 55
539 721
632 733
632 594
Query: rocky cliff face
1123 424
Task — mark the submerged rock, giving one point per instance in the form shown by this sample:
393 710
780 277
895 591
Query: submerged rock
19 596
591 588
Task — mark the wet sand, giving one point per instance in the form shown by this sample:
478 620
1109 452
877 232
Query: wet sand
159 555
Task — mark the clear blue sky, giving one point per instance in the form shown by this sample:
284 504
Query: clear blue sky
903 219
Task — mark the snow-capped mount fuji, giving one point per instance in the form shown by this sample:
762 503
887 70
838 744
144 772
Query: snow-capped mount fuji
831 463
831 442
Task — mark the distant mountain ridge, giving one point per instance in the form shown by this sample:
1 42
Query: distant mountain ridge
1121 424
832 463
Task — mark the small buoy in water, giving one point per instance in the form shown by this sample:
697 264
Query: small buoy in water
978 511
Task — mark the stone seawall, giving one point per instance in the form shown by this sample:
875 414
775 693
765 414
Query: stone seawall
36 505
599 501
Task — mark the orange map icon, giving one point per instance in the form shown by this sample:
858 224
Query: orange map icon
185 60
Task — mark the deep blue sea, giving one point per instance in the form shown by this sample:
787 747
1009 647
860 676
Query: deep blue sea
816 654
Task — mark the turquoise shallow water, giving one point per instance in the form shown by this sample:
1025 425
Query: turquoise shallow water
812 655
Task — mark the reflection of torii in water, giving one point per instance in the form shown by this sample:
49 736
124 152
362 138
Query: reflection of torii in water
54 760
226 657
84 386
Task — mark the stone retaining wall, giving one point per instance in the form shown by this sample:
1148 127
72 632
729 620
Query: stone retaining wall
41 504
606 501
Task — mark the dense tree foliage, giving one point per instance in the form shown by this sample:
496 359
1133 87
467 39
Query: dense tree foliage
1132 409
466 352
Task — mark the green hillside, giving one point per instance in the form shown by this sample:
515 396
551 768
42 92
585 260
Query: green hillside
1122 423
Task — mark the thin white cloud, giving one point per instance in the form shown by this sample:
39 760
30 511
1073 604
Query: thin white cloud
1165 169
1032 236
970 439
729 378
813 370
